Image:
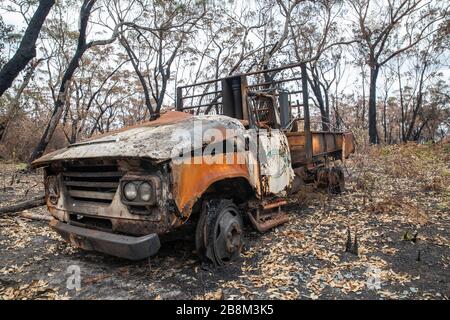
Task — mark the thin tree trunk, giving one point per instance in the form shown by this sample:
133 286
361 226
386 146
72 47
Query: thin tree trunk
373 105
402 106
419 131
323 106
385 121
58 109
133 59
415 112
325 120
323 112
418 105
363 114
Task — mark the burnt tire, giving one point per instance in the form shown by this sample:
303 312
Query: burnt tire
218 236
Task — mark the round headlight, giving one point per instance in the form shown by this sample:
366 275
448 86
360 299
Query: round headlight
130 191
145 191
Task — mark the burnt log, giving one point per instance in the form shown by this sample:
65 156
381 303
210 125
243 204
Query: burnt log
37 217
21 206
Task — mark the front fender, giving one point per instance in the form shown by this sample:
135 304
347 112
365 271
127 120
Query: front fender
192 179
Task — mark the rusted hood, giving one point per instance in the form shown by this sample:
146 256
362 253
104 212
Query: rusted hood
153 140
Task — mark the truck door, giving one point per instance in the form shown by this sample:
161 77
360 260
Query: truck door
274 159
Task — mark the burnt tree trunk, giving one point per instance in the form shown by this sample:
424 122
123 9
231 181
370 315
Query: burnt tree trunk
385 120
418 105
325 117
58 109
402 107
373 137
362 121
323 105
27 47
134 59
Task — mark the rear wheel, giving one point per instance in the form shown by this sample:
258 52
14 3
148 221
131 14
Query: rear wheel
219 232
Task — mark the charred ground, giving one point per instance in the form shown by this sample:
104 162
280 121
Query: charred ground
392 194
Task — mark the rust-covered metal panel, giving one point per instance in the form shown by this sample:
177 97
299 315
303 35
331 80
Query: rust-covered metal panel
323 144
191 179
97 196
153 140
348 144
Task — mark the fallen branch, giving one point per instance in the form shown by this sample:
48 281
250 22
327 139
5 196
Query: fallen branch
28 190
35 202
34 216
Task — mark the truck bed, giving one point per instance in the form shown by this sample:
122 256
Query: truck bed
336 145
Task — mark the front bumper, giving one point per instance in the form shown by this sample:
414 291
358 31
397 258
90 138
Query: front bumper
128 247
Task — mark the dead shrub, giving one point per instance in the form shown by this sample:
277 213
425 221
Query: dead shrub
436 185
384 207
22 137
400 205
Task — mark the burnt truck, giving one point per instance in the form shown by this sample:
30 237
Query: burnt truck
234 151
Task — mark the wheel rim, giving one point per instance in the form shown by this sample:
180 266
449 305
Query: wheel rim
227 236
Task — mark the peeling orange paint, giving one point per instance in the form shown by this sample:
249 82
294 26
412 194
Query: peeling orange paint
192 179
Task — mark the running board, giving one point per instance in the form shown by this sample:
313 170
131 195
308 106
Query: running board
268 216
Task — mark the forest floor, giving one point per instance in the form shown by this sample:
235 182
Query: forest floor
392 193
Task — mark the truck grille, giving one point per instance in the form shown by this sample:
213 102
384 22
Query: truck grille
92 183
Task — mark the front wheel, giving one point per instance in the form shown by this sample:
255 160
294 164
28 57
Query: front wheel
219 232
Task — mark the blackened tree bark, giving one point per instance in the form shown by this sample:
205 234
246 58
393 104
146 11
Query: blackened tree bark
134 62
27 47
155 77
321 89
82 46
417 106
310 44
376 31
163 68
402 105
373 137
385 120
320 101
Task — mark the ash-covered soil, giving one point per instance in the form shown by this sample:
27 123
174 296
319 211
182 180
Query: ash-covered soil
397 202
